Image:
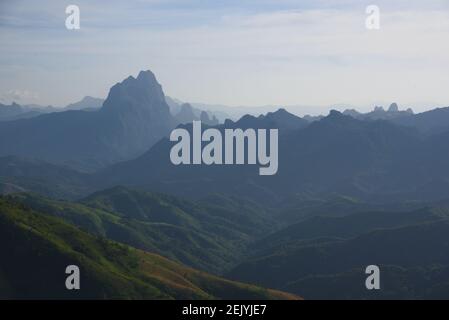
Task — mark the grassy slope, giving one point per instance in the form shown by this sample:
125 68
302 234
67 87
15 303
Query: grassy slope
210 235
36 248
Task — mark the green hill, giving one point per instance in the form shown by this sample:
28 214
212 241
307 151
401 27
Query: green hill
345 227
211 235
326 257
36 248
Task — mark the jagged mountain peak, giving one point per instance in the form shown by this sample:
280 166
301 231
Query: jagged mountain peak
393 107
280 119
143 91
335 114
87 102
281 113
133 117
186 107
337 118
146 76
186 114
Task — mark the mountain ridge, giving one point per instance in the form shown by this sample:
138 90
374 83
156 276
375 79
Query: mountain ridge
133 117
109 270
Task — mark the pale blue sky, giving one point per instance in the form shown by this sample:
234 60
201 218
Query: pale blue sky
253 52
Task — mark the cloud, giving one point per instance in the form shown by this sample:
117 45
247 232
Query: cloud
233 52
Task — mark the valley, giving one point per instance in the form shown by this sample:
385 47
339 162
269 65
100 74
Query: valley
351 190
110 270
224 150
230 237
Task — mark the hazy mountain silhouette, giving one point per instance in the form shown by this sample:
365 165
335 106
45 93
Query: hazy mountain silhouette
369 158
204 117
336 154
428 122
280 119
379 113
133 117
350 186
15 111
186 114
87 102
374 159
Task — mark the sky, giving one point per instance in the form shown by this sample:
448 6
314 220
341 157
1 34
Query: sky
239 53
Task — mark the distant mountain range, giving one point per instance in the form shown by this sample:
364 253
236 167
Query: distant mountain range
379 113
383 154
86 103
402 157
133 117
16 111
375 159
223 112
95 186
187 114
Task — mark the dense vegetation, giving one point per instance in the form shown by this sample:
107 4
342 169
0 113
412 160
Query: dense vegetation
321 255
325 257
211 234
352 190
36 249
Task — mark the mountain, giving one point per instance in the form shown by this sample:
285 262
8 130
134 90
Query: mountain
10 111
335 154
175 108
366 159
108 270
428 122
27 174
280 119
137 114
321 225
16 111
196 181
133 117
87 102
211 234
186 114
379 113
326 257
173 104
234 113
204 117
